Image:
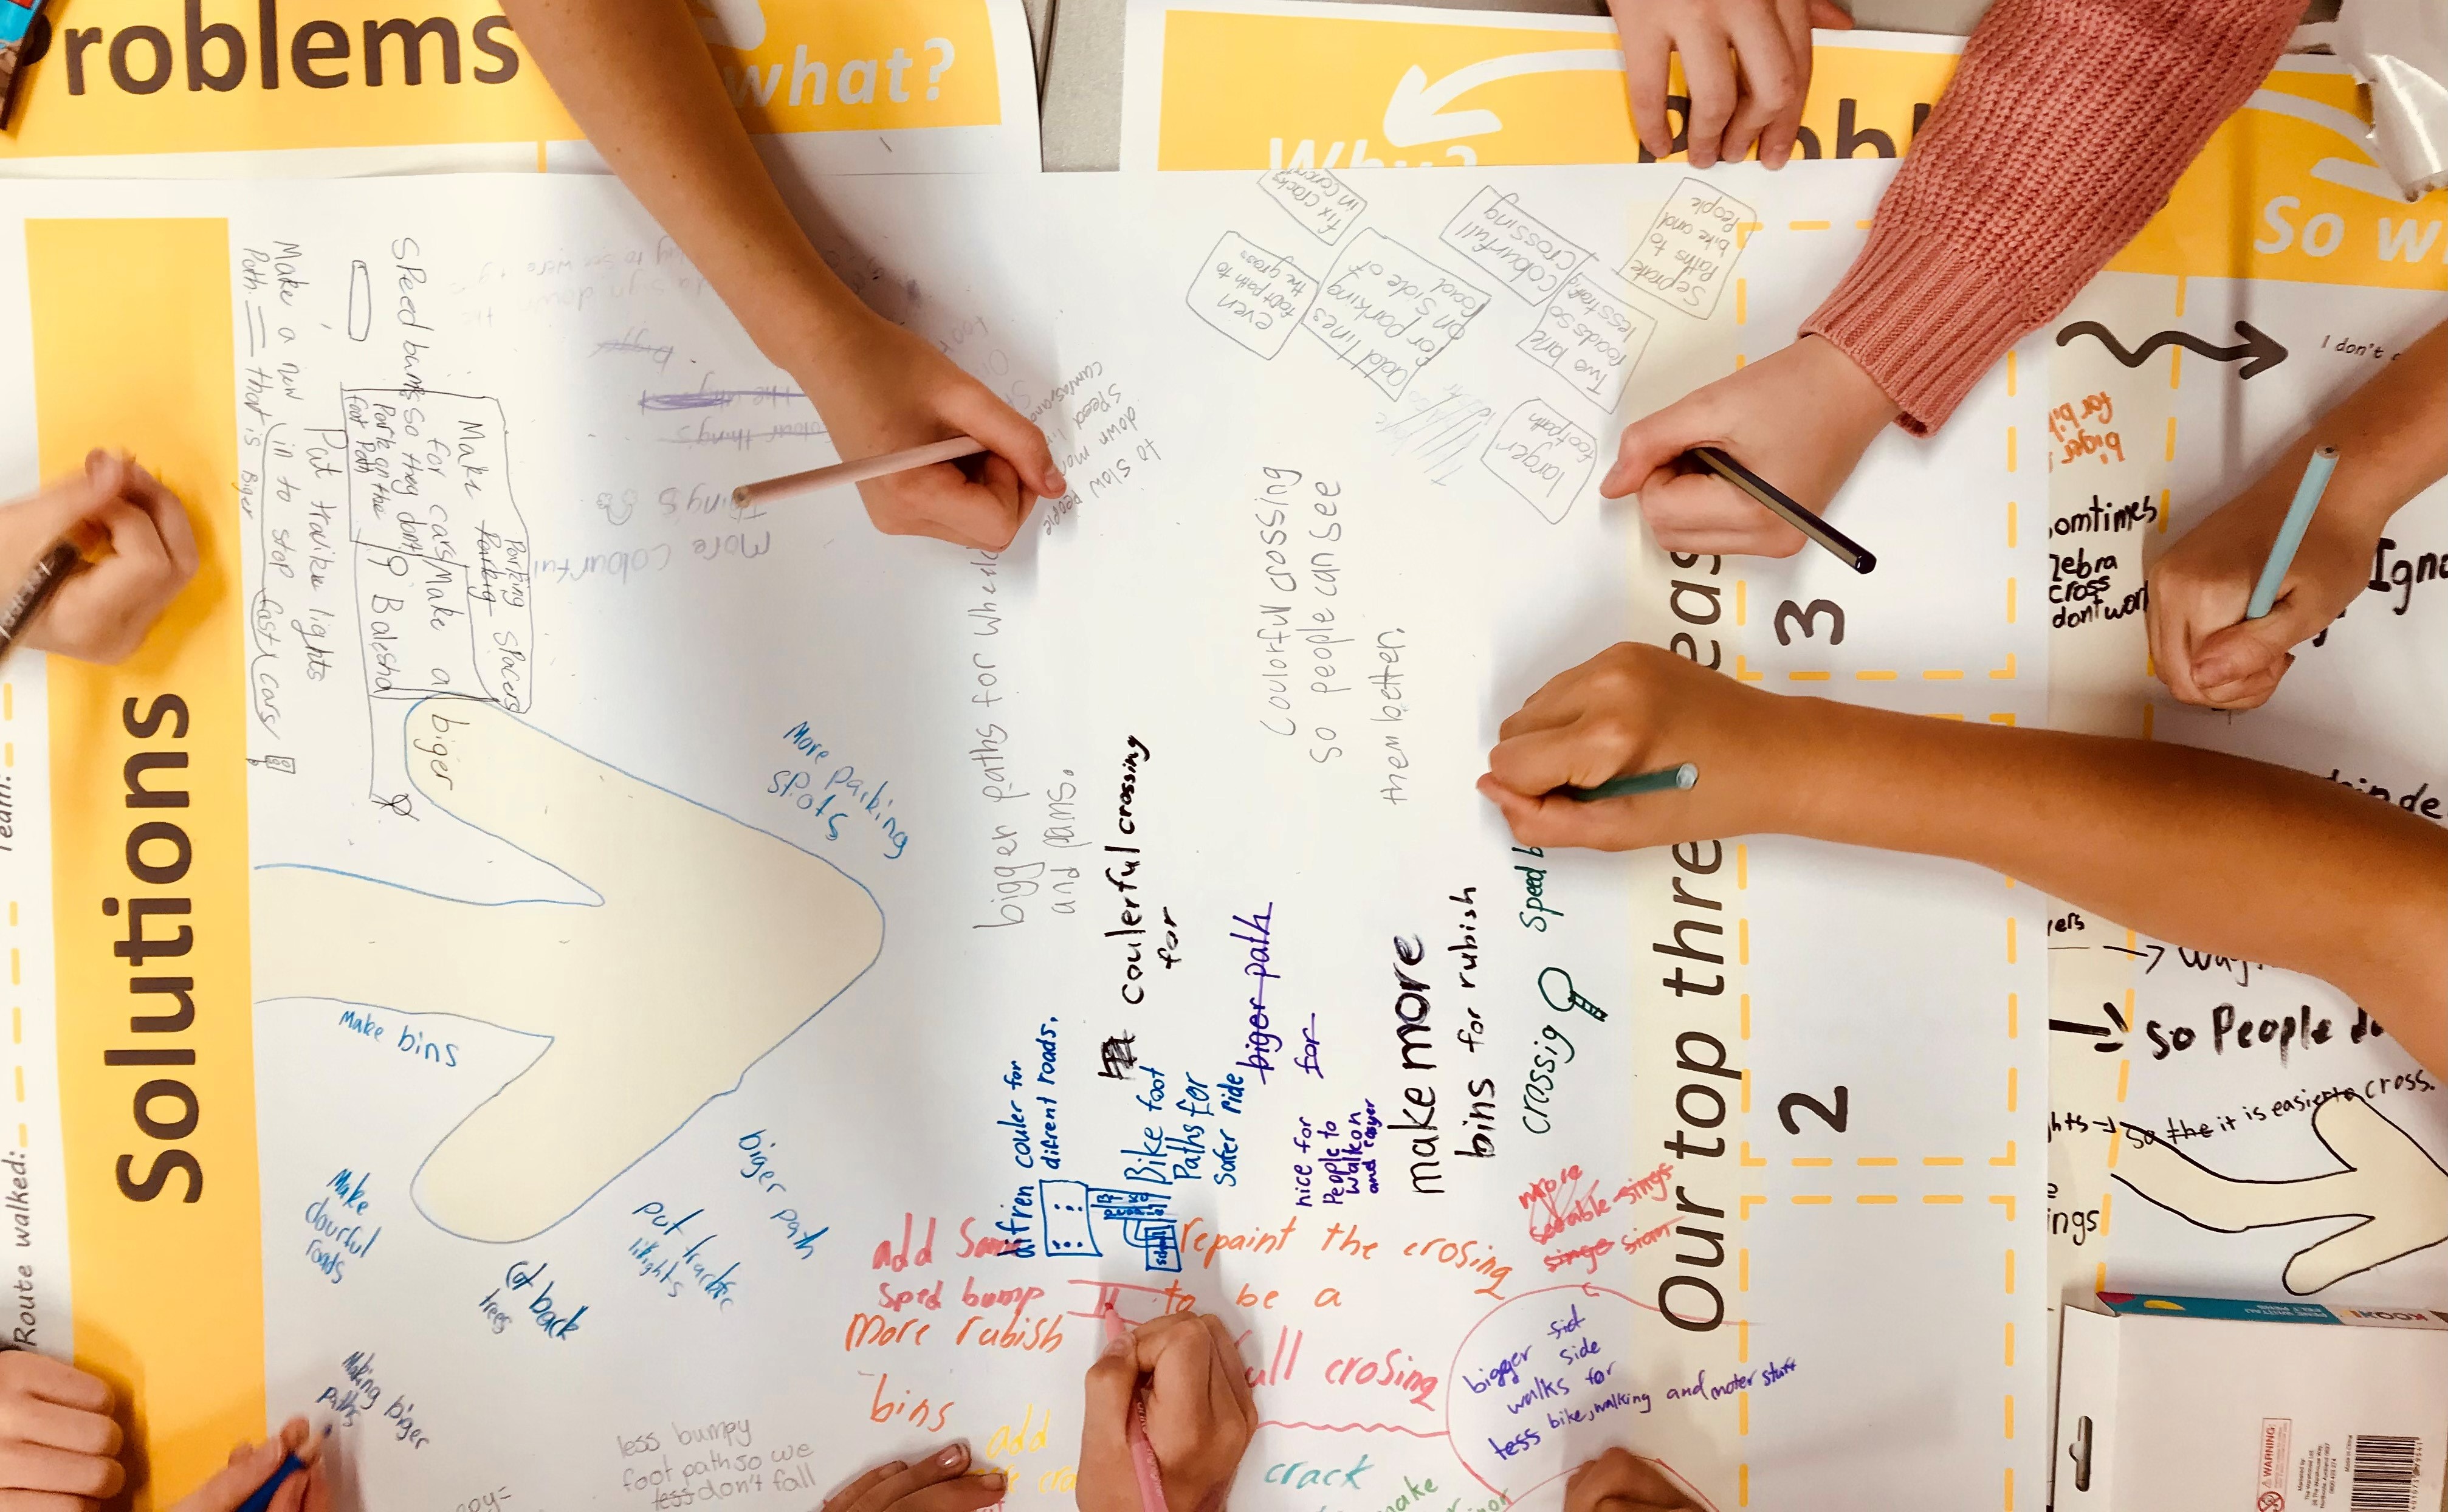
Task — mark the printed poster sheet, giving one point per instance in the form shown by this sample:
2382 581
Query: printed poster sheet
733 994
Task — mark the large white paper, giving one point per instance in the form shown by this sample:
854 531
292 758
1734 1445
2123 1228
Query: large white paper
767 983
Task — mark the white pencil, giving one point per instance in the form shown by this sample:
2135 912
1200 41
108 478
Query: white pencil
841 475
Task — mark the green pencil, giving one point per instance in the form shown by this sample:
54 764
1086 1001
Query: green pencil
1665 779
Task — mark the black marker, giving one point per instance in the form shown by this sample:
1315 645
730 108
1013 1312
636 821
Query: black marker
1770 497
36 591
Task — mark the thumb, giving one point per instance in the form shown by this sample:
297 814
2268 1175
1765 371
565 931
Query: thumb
1008 436
1651 444
2250 646
1827 15
1104 1422
237 1481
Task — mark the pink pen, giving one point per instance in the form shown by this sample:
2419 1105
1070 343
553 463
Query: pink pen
1142 1453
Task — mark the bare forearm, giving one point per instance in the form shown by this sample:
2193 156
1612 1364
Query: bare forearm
2218 852
639 78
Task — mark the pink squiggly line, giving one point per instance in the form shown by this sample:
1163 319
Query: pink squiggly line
1350 1427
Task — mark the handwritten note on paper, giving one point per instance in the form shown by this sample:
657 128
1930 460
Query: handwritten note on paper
1324 204
1688 253
1521 252
1592 335
1389 311
1251 295
441 553
1542 456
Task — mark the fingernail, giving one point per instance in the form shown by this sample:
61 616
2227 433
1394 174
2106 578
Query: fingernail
1784 155
993 1479
1055 481
952 1454
1119 1344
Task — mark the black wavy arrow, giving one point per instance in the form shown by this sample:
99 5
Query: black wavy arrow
2259 353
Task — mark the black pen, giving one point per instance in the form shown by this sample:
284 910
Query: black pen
44 580
1771 498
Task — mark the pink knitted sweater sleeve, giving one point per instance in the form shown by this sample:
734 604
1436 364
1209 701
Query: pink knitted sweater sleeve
2062 132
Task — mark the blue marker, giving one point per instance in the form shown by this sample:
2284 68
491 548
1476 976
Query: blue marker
2290 532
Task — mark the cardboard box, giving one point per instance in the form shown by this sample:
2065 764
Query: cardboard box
2174 1403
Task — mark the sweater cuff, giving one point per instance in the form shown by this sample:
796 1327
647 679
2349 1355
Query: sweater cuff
1924 327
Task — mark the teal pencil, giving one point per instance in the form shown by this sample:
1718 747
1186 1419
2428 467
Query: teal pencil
2290 532
1665 779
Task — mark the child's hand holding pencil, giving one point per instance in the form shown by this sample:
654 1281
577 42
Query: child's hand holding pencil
138 547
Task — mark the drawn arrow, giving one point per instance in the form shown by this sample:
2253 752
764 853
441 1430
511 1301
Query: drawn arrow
2389 1182
1412 114
2260 351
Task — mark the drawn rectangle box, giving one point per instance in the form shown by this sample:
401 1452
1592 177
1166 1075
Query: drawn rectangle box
1591 333
442 563
1530 259
1540 454
1687 254
1252 296
1389 311
1324 205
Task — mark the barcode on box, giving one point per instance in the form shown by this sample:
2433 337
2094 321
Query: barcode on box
2383 1470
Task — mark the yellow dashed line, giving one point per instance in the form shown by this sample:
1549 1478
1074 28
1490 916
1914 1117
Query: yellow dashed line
1742 1270
2010 393
1742 305
2010 1095
2010 1336
1744 1204
1941 675
1874 677
2010 601
1743 231
2176 366
2010 1433
1873 1199
2180 296
2011 1001
2171 447
2124 1068
1743 671
2008 1158
1742 1485
1746 1018
1807 677
2163 503
2001 718
1942 1159
1742 1412
1874 1159
1806 225
1742 602
1812 1161
1743 940
2010 504
2010 939
1748 1158
2006 673
2010 1272
2006 1202
2099 1277
1805 1200
1743 876
1747 1089
1935 1198
2104 1196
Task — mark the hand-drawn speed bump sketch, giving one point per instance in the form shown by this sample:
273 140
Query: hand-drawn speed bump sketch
709 944
2389 1182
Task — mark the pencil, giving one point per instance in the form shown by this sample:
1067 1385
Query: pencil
1771 498
2290 531
1142 1453
842 473
1665 779
44 580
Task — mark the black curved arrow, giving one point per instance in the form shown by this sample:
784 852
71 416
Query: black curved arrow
2259 353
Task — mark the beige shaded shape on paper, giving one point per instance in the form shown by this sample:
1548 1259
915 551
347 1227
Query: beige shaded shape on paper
2389 1182
712 942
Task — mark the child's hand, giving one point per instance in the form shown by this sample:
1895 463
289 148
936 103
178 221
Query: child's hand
935 1483
1200 1417
100 613
1800 418
1756 95
251 1465
1639 708
2201 644
58 1445
898 392
1620 1481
